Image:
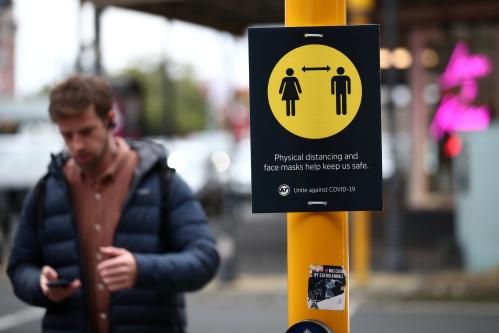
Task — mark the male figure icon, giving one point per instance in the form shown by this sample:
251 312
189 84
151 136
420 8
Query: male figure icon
341 86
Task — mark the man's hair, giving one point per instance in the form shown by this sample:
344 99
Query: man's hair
72 96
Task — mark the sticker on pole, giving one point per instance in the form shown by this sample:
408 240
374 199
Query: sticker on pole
326 287
315 119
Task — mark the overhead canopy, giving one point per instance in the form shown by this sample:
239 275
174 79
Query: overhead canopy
235 16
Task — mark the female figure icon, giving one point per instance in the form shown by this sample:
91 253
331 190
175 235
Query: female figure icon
290 90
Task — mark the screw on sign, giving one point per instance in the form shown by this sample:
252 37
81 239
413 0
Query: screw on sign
309 326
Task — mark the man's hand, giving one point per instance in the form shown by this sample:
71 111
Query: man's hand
56 294
120 270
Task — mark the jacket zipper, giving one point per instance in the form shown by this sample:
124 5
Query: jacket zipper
78 245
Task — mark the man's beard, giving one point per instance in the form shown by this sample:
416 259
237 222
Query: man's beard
87 161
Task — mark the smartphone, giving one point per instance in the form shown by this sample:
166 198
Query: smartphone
61 283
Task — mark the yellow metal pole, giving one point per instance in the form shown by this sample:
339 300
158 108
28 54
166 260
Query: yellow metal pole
359 10
316 238
361 247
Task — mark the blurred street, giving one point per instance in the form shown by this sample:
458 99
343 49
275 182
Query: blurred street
248 309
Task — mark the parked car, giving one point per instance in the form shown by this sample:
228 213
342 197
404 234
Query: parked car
203 160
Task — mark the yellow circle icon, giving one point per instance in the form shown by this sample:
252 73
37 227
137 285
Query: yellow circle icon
314 91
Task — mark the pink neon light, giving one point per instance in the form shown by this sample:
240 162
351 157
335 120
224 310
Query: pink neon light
454 114
463 67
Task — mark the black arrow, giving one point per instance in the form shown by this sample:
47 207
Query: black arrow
327 68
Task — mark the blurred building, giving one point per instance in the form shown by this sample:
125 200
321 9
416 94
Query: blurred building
442 49
7 48
439 63
236 114
128 105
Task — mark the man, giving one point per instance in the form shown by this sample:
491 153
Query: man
111 219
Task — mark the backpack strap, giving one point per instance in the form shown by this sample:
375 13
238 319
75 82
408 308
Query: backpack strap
166 174
39 197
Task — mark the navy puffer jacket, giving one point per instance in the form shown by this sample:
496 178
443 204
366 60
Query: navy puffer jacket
174 253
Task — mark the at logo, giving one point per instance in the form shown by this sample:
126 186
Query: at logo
284 190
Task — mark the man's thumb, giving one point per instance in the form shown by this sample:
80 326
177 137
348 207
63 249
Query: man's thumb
49 273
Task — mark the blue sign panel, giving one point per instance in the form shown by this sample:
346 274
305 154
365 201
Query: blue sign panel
308 326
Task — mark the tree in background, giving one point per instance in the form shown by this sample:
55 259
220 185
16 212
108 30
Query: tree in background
171 104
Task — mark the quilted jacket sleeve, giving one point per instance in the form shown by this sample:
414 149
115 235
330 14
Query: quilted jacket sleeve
26 260
194 259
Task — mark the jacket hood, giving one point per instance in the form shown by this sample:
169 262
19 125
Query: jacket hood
150 153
